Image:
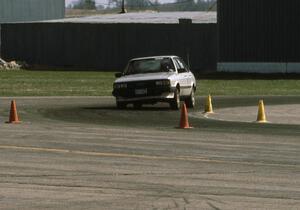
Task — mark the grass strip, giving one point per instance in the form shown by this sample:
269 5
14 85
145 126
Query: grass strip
91 83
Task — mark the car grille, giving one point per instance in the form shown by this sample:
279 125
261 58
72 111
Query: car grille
152 89
141 84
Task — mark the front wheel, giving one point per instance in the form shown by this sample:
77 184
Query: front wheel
190 101
175 103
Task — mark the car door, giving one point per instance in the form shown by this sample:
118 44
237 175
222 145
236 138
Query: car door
189 77
183 76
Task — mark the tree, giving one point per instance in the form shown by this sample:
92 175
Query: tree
189 5
206 5
85 4
131 4
137 4
185 5
114 3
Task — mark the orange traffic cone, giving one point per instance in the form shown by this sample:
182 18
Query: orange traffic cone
13 117
184 121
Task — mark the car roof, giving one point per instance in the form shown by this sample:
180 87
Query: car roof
154 57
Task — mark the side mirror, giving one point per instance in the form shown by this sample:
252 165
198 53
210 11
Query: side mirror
119 74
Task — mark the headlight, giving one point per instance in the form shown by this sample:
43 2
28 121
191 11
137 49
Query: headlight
120 85
162 83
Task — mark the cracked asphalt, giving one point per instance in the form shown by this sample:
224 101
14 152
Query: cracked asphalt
83 153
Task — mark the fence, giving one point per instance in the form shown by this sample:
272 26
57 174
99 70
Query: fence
108 46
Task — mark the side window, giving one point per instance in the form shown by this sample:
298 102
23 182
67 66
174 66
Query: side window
184 64
176 64
182 68
167 65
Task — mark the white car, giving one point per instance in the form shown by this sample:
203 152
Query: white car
155 79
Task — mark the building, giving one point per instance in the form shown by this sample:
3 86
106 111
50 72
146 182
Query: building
31 10
252 36
259 36
12 11
107 42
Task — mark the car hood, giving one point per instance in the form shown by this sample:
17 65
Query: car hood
145 77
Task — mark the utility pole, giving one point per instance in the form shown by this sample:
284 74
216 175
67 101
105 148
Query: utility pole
123 7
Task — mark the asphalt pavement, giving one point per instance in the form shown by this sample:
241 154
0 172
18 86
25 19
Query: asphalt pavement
83 153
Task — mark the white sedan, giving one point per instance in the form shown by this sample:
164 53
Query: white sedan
155 79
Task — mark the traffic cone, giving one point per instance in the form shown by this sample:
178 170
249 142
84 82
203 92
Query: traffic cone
208 106
184 121
261 115
13 117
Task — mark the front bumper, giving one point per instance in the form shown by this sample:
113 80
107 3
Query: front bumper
146 99
152 94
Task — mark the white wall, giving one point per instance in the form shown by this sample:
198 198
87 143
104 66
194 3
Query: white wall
259 67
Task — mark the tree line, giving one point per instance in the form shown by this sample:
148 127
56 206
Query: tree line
178 5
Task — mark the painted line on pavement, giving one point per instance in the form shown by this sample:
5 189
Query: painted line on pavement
119 155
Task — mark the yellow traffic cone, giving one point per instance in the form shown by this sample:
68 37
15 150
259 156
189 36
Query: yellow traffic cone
261 115
208 106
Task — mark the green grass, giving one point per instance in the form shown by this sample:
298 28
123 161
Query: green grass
89 83
249 87
55 83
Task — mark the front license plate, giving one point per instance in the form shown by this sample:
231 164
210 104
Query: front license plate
140 91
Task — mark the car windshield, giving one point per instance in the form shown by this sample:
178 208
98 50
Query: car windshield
150 66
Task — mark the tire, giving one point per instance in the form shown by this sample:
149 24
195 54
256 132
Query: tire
190 101
137 105
121 105
175 103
